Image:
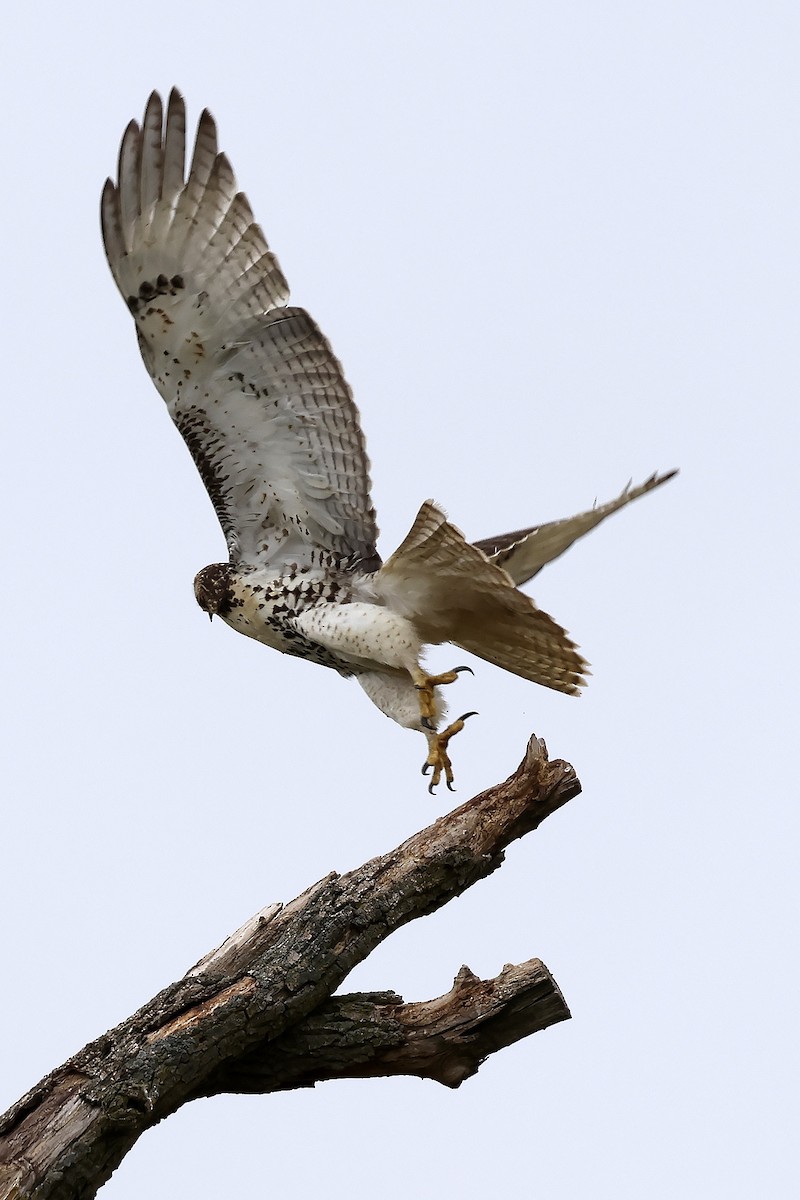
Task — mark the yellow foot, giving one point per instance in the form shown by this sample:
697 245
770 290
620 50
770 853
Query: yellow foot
438 758
427 701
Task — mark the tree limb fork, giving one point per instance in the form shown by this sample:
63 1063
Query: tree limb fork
259 1014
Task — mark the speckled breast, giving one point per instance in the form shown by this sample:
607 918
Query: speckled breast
264 609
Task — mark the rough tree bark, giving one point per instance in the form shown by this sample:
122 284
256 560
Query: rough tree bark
259 1015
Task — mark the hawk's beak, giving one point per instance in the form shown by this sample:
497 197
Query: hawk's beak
211 616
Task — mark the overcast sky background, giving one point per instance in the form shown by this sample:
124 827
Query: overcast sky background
555 247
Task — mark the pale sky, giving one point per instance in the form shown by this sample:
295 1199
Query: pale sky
555 247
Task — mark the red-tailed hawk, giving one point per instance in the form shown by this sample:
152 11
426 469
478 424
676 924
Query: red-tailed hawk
265 410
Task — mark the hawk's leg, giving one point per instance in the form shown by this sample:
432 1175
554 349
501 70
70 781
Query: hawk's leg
397 693
438 758
425 685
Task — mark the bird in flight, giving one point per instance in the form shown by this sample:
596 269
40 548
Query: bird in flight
261 401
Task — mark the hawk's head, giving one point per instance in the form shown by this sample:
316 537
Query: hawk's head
213 589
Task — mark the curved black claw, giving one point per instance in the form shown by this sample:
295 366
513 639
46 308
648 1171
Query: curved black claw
465 716
458 670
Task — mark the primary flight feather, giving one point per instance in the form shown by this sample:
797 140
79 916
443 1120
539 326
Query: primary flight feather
262 403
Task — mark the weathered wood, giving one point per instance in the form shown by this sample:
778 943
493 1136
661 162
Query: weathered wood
375 1033
257 1014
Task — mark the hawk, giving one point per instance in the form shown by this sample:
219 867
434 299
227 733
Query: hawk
261 401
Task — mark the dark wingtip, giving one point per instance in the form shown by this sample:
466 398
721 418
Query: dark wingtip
657 479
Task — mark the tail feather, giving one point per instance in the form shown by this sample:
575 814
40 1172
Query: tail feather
451 592
535 647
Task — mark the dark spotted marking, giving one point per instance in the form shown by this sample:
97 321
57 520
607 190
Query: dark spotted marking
282 600
148 291
196 432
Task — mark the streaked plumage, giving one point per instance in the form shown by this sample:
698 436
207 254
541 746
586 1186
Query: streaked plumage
262 404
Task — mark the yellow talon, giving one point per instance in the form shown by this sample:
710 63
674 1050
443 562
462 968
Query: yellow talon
425 685
438 758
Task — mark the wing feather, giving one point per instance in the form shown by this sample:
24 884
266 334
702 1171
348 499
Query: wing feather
174 146
152 158
203 160
236 225
111 221
524 552
253 386
129 170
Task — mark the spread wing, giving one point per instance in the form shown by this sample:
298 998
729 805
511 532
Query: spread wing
522 554
251 384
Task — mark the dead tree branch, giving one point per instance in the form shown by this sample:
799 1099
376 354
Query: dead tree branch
371 1034
259 1015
